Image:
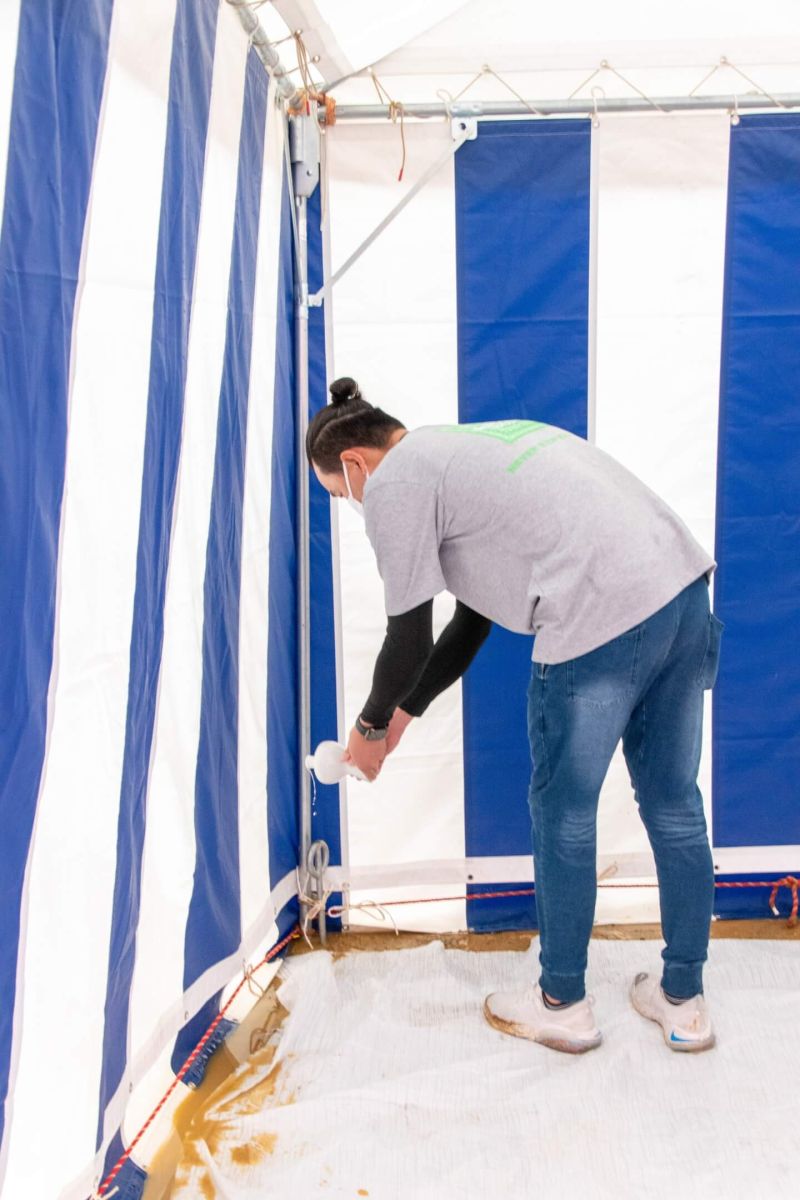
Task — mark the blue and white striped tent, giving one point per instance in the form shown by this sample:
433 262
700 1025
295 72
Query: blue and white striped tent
632 278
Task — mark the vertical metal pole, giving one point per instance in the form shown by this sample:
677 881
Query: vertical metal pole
303 626
303 155
327 314
591 422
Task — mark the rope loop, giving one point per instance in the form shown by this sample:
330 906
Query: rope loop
790 882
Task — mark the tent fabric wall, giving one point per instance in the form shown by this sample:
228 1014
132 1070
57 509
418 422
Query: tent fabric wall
149 739
659 320
325 647
148 744
757 752
522 265
756 744
394 324
40 245
660 191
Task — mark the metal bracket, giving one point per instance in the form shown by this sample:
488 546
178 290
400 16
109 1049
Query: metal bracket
304 154
459 137
464 129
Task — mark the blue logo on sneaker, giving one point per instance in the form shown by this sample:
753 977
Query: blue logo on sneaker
673 1037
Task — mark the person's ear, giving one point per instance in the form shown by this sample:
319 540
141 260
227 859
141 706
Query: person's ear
352 456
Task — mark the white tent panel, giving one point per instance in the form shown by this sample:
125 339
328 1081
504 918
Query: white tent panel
254 600
169 846
70 878
9 24
662 198
394 321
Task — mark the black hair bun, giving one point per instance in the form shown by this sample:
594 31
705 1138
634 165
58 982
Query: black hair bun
344 389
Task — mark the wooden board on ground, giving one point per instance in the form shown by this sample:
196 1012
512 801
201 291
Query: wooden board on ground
339 943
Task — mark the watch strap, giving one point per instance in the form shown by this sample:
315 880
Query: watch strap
373 733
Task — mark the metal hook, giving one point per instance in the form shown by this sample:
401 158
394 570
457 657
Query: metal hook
596 116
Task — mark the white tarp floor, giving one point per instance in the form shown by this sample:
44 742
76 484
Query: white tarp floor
388 1083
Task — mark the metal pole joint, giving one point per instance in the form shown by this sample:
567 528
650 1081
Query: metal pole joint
304 154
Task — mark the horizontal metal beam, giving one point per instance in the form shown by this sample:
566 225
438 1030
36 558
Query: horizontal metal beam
552 108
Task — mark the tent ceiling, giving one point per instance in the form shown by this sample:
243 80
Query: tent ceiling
547 51
353 34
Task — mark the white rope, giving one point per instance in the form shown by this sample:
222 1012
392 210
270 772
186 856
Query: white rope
726 62
366 906
253 986
487 70
314 904
605 65
449 100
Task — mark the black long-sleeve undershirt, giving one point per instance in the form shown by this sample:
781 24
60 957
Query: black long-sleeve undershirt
411 670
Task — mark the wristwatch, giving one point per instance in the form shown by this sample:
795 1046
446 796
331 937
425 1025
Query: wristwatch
372 733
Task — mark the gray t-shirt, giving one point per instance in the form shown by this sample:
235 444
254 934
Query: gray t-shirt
529 525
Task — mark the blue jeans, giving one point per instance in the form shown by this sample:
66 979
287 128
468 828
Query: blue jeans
645 686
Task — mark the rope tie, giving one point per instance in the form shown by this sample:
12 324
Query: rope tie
396 111
316 865
726 62
380 913
792 883
309 92
253 986
788 881
605 65
314 906
448 100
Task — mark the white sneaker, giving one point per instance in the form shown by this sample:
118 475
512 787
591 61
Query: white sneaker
524 1014
686 1026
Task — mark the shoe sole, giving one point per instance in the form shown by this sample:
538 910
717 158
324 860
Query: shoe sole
678 1047
516 1030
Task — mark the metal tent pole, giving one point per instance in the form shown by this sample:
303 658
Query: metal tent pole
303 163
304 601
304 157
576 108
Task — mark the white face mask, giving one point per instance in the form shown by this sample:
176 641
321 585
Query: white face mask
351 500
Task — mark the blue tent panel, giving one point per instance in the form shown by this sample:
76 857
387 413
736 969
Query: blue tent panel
757 696
522 243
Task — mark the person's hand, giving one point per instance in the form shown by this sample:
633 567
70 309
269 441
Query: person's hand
397 727
367 756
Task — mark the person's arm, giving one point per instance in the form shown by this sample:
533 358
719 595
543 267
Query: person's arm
405 651
455 648
411 671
